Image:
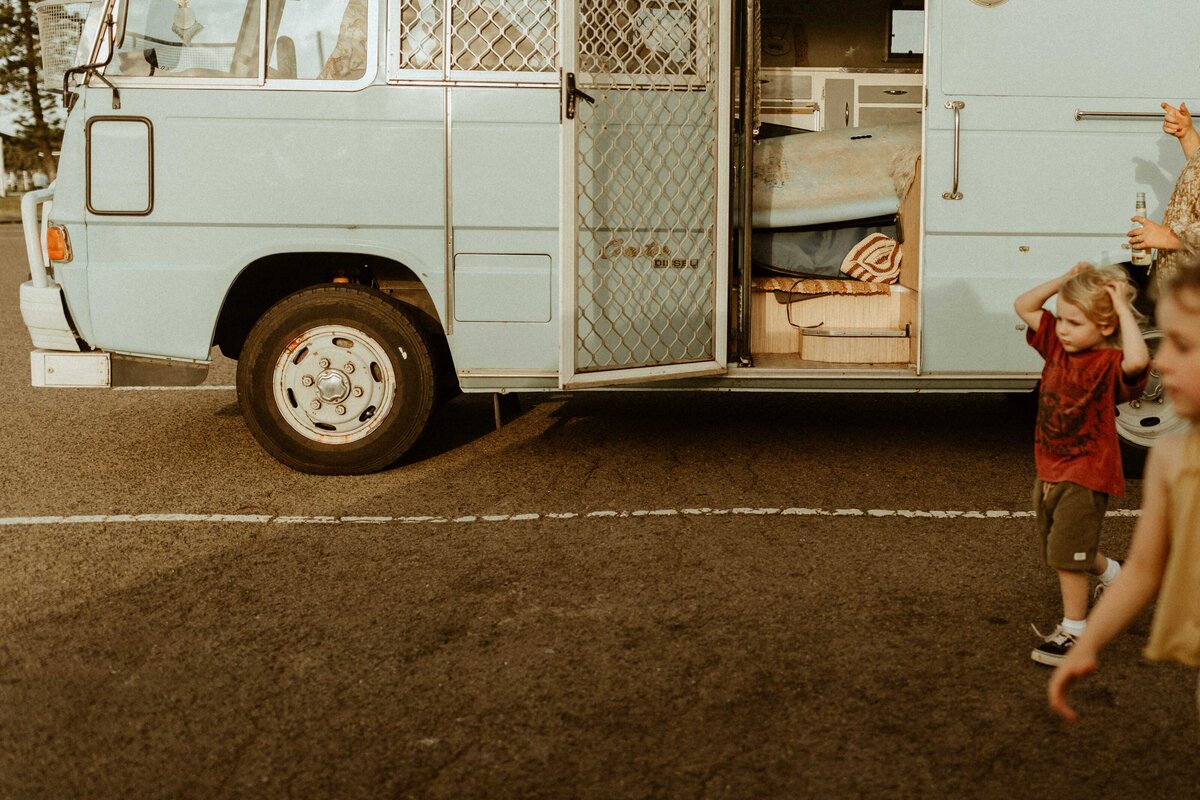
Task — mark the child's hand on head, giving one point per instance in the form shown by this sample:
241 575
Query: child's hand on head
1118 292
1176 121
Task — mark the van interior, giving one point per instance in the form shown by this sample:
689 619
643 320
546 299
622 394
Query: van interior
836 186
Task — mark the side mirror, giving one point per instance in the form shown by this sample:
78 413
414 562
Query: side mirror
121 11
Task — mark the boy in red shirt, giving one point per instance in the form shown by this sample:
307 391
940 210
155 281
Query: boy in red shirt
1095 358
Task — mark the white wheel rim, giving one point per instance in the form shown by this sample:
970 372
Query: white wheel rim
334 384
1150 417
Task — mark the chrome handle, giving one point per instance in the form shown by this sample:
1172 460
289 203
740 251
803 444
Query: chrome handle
847 115
956 106
1082 115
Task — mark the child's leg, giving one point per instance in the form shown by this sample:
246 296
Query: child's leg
1074 586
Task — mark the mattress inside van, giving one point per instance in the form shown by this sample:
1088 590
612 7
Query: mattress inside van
833 176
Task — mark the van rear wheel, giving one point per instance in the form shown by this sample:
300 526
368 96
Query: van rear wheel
1143 421
336 380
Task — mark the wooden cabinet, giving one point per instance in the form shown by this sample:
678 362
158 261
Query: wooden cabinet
825 99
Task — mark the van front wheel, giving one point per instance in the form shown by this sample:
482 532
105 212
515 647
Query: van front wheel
336 380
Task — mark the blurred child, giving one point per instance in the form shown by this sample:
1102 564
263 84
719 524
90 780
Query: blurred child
1164 558
1095 358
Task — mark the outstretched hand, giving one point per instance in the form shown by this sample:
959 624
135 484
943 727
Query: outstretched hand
1077 665
1176 121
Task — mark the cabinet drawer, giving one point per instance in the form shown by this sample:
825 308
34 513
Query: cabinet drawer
887 116
786 86
901 94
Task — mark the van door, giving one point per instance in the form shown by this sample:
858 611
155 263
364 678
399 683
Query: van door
1042 124
645 186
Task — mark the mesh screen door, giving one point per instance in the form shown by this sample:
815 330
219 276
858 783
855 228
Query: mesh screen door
645 245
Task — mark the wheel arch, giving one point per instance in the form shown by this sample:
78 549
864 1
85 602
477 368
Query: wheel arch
268 279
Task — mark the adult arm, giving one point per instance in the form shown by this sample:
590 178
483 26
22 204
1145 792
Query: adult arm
1133 589
1178 123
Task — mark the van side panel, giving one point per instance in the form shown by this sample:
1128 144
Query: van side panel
504 169
1040 189
242 174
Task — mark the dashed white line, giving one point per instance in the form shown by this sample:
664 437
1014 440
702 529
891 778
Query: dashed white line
319 519
202 388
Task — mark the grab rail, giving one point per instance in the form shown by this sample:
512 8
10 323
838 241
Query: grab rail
1082 115
33 234
956 106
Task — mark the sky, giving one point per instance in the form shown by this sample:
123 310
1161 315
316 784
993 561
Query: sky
8 122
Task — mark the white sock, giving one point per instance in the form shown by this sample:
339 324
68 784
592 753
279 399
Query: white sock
1110 572
1075 627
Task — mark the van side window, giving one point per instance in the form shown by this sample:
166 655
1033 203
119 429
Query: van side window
509 36
189 39
505 36
318 41
655 38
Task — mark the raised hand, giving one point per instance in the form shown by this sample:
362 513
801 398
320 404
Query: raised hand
1176 121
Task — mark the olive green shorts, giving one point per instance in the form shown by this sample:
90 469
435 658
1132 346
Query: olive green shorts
1069 517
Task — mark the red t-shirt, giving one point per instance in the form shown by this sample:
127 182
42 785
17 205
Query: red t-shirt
1076 437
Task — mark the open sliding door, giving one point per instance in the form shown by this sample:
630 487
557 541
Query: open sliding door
645 183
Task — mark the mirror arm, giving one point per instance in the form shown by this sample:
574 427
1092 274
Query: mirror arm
93 69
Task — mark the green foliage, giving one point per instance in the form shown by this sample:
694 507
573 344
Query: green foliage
39 133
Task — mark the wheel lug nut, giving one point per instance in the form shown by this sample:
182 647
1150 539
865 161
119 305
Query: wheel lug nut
340 410
358 391
324 362
315 405
307 380
348 368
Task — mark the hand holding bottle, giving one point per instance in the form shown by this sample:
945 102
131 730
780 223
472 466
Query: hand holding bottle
1150 234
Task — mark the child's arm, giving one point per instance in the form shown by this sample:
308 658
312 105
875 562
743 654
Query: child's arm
1133 589
1029 305
1178 123
1135 355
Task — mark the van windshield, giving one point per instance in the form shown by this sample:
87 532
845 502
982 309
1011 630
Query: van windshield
189 38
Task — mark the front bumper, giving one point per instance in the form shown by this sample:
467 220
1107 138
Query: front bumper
42 305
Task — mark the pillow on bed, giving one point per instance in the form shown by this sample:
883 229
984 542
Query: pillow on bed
875 259
810 252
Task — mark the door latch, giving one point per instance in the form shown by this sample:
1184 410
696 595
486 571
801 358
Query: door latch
574 95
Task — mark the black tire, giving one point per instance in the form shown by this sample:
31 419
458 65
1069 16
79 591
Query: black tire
390 377
1144 421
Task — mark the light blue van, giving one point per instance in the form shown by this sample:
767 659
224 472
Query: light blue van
374 204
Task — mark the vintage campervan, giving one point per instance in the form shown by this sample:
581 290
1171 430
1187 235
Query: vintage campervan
373 203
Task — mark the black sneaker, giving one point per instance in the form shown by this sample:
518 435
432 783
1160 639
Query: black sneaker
1054 648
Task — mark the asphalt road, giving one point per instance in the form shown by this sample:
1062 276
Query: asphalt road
617 595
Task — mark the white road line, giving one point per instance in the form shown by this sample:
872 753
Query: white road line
308 519
213 388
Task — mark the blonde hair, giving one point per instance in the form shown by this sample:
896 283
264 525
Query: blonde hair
1085 291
